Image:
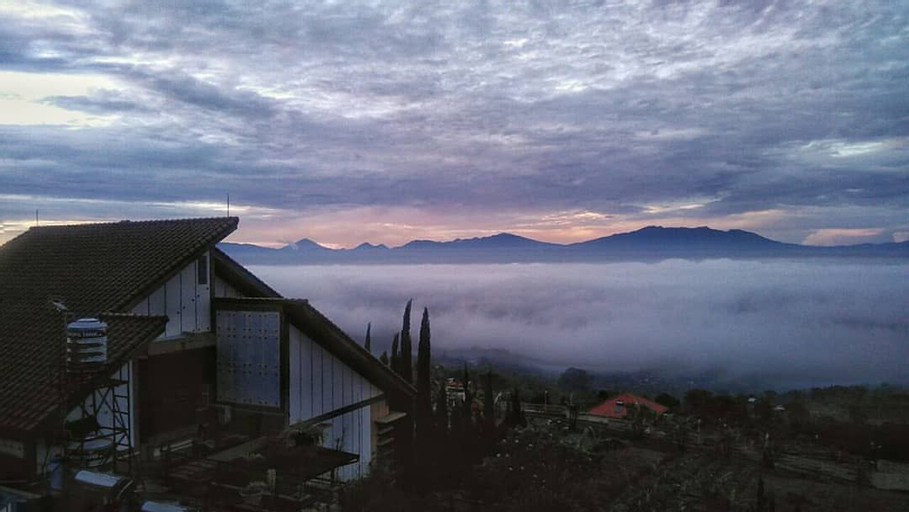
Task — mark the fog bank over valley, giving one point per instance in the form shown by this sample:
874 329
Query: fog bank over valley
788 323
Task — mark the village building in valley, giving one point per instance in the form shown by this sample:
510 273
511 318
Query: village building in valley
137 354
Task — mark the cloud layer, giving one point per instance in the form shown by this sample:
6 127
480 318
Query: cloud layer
387 121
792 323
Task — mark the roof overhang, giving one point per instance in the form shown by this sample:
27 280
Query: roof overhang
237 276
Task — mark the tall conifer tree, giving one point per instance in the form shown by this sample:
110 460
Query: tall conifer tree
489 418
406 346
468 398
395 358
368 343
424 391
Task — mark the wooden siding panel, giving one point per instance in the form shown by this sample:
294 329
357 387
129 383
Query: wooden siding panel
320 382
223 289
141 308
351 432
203 298
306 377
186 303
318 377
188 298
365 440
294 349
173 306
156 304
338 391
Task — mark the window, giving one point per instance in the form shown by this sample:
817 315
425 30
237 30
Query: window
202 265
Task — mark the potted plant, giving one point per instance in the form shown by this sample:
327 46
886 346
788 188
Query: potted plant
303 435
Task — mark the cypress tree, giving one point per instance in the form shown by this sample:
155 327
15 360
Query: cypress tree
515 414
424 391
489 418
423 418
395 358
406 346
384 358
468 397
367 344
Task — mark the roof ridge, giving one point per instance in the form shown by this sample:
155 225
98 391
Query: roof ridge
129 222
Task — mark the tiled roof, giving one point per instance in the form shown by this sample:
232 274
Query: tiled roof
101 267
91 269
31 365
611 409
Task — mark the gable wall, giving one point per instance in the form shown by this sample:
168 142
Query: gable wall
321 383
185 301
224 290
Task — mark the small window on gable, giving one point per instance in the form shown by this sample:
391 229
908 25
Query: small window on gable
202 266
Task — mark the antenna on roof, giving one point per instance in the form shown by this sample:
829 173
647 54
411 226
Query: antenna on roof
228 204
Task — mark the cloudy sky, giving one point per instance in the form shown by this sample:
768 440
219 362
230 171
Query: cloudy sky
347 122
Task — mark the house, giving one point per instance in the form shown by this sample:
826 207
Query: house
617 406
200 354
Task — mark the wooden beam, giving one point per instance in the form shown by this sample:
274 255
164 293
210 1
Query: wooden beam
188 341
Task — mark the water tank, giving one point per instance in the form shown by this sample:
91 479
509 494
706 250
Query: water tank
86 344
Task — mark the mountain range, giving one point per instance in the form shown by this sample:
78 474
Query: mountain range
646 244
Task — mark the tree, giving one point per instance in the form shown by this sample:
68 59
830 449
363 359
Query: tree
696 400
440 446
468 396
424 393
575 380
489 414
367 344
465 427
667 400
423 419
384 358
406 346
395 358
515 414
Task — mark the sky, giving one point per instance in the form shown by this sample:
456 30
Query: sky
783 323
347 122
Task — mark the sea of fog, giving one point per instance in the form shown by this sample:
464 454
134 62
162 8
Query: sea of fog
796 322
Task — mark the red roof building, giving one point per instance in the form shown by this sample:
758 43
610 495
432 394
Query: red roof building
617 406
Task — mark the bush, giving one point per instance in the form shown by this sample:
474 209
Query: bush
536 469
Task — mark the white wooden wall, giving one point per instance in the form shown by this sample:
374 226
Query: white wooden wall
185 301
321 383
223 289
351 433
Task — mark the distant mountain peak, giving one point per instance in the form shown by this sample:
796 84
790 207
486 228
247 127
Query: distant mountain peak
304 244
366 246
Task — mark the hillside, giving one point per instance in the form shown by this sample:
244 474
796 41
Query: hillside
646 244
